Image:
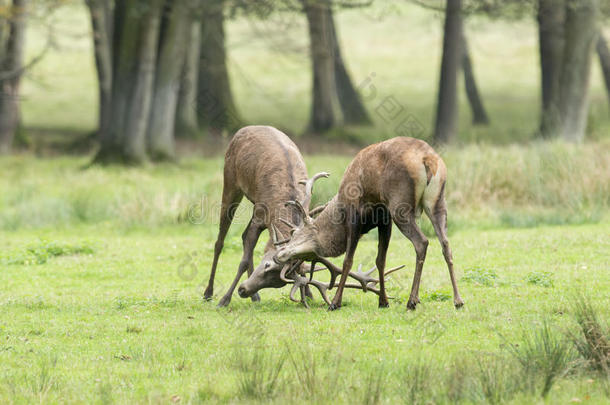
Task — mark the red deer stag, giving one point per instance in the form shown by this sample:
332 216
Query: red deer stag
263 164
389 181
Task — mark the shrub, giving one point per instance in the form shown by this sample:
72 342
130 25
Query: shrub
541 278
42 252
480 276
437 295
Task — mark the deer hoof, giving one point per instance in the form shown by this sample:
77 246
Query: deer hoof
384 304
224 301
208 293
411 304
333 307
458 303
255 297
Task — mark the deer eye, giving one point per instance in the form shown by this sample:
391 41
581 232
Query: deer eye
267 265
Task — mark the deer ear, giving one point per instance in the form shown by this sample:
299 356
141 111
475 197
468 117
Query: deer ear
304 216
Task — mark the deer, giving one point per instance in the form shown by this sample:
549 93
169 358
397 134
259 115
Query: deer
263 164
388 182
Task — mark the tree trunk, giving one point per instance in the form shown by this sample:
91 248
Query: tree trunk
581 31
325 105
167 83
141 98
12 64
353 110
186 116
102 36
447 109
604 60
124 62
479 115
551 18
215 107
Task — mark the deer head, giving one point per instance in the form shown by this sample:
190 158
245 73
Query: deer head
270 273
304 241
267 273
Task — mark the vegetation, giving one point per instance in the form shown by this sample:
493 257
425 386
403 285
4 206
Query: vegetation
103 267
114 312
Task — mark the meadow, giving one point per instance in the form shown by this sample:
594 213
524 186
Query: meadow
102 268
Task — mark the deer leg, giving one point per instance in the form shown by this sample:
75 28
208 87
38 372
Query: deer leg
439 222
249 237
385 231
230 202
352 241
409 228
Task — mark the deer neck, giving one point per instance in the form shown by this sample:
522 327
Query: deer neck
332 233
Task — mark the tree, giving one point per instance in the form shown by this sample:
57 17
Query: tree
139 47
215 106
352 108
447 111
580 36
568 31
172 50
334 98
604 60
479 115
186 113
101 24
12 46
551 17
325 107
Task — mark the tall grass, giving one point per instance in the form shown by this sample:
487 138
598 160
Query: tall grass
487 185
592 338
259 370
544 355
546 182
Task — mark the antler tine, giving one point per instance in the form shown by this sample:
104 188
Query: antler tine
322 289
290 224
365 282
282 242
309 187
363 278
393 269
288 268
334 271
317 210
274 234
293 290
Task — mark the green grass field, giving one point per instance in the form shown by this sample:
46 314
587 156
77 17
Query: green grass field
101 300
102 268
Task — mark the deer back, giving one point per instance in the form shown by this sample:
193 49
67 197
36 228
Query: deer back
267 166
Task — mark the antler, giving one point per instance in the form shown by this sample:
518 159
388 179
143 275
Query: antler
317 210
366 283
276 234
309 187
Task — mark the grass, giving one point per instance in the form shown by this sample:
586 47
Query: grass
546 183
112 310
103 269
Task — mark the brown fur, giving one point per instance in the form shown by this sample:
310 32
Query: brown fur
264 165
391 181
